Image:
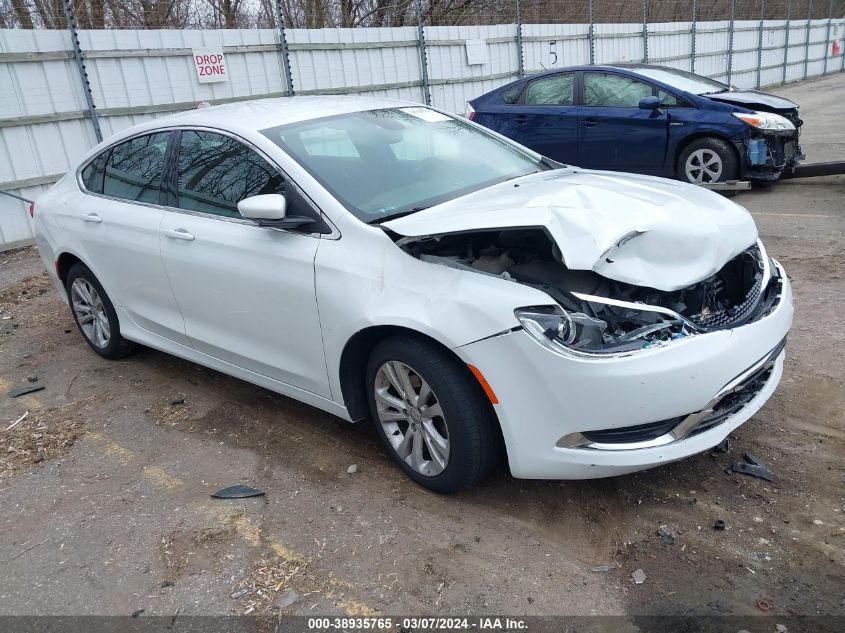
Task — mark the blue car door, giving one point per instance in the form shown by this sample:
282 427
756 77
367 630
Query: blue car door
614 132
544 117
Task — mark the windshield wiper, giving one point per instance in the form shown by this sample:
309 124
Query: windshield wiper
393 216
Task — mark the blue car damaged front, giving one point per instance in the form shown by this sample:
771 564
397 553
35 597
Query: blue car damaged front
647 119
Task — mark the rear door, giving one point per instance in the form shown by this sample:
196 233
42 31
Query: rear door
613 131
543 117
246 292
119 224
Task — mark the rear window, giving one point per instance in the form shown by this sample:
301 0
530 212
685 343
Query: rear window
511 94
92 175
133 169
554 90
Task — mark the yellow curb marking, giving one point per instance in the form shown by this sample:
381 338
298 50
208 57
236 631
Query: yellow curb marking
161 478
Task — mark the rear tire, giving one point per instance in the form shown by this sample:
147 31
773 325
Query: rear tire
431 414
95 315
707 160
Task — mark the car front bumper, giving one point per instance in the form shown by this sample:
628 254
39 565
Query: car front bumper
781 153
547 400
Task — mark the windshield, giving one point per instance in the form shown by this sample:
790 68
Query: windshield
384 163
682 80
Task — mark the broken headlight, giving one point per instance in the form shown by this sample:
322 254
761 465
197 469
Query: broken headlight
566 332
767 122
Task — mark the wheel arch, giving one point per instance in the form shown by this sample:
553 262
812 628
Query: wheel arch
695 136
64 262
356 353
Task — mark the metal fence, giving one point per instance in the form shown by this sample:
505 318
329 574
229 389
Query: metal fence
61 91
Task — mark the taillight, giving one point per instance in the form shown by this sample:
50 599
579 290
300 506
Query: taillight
470 112
32 209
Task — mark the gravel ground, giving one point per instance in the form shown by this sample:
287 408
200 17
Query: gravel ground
105 484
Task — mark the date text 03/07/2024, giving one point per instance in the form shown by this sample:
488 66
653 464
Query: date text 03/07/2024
491 623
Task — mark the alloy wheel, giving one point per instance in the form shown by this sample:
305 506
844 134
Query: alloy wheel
703 166
412 418
90 312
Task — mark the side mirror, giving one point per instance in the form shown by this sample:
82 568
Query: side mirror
270 211
650 103
269 206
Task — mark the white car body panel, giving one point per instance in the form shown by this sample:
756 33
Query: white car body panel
277 308
636 229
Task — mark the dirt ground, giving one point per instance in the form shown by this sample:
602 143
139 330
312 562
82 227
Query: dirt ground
105 484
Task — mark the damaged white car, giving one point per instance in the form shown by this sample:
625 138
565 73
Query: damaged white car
379 259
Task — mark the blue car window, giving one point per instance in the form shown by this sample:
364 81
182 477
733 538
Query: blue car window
614 91
511 94
554 90
666 99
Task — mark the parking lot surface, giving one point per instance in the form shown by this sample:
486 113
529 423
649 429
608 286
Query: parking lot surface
105 485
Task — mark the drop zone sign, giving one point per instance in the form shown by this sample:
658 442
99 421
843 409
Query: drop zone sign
210 64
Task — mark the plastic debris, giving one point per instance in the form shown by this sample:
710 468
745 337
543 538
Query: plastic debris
764 605
285 599
753 467
18 421
237 492
666 535
723 447
135 614
22 391
638 577
602 568
719 525
177 401
352 469
240 592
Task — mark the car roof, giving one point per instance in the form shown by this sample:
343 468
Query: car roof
629 66
248 117
259 114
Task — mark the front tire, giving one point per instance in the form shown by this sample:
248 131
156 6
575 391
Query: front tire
708 160
95 315
431 414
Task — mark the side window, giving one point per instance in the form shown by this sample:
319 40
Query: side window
92 175
668 99
510 95
614 90
554 90
216 172
133 169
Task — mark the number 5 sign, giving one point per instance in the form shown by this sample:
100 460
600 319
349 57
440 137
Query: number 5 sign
210 64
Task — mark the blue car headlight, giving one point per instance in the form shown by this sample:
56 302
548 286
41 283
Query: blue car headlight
767 122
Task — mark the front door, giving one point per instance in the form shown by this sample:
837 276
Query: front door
614 132
246 292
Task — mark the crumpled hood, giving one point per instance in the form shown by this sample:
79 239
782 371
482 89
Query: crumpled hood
754 100
640 230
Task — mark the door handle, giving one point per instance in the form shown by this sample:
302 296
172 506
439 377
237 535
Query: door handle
179 234
92 217
521 118
590 122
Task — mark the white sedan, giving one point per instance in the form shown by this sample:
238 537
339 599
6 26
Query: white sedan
386 261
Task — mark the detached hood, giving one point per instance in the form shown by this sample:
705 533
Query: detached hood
754 100
636 229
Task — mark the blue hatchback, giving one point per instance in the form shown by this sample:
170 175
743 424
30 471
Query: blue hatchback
646 119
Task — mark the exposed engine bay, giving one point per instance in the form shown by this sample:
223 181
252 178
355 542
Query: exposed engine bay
599 315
